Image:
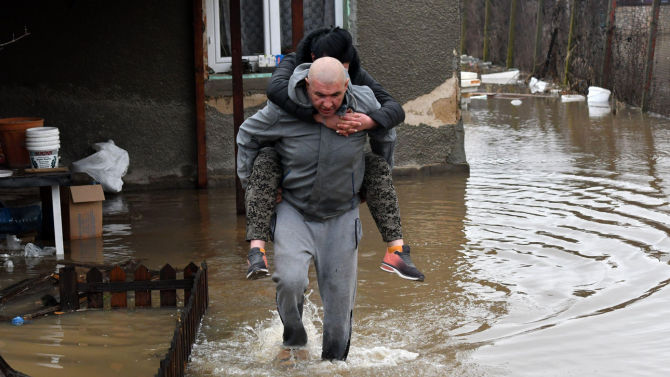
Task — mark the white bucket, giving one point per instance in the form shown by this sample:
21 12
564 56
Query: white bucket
42 132
597 94
37 144
43 138
468 75
44 157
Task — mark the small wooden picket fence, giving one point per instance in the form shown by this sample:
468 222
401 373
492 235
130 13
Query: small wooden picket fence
196 299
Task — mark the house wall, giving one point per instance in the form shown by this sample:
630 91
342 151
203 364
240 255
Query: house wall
99 70
413 50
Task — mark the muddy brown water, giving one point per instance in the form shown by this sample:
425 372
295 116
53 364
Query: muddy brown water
551 258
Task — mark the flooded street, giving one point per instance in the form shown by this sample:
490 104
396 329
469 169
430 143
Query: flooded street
551 258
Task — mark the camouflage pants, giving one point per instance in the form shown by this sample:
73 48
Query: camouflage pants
261 195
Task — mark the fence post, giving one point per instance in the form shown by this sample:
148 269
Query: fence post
538 34
607 54
510 39
67 287
95 300
487 31
168 296
573 5
651 48
119 299
464 27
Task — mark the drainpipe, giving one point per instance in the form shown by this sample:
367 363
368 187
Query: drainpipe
200 128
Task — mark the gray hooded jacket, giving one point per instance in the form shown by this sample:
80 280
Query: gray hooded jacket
323 171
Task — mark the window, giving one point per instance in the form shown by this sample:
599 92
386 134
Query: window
266 27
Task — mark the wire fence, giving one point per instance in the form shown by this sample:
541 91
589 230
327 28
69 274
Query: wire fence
576 32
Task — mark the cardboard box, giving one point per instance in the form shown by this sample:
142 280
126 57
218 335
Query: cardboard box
82 211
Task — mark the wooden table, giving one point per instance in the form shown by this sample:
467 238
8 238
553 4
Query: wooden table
54 180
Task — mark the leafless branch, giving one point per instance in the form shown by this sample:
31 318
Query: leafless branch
25 34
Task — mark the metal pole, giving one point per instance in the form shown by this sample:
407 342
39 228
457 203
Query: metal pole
538 34
298 22
510 39
238 95
464 49
607 54
573 5
487 19
651 48
200 124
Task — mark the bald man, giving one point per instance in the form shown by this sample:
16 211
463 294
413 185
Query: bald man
318 217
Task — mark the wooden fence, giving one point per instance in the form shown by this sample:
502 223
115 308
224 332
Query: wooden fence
196 302
196 298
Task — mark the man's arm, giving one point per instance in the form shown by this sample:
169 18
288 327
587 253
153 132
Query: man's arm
256 132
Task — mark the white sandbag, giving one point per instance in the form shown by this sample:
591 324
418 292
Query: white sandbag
107 166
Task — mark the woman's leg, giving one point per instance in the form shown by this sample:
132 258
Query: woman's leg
379 192
260 200
382 201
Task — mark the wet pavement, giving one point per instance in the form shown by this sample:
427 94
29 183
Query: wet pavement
550 258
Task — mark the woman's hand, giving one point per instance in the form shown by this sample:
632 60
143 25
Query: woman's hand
364 123
334 122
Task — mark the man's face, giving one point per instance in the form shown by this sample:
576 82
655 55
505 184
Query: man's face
326 98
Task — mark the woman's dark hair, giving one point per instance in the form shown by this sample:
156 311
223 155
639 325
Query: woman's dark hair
333 42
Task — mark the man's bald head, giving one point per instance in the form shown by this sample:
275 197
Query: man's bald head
326 85
327 71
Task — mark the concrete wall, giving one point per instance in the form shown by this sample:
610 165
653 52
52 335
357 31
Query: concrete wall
413 49
100 70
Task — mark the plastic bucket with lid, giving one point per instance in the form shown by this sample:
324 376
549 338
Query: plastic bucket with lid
44 157
41 143
42 139
42 132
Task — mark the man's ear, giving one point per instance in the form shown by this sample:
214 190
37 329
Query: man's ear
313 58
306 82
346 84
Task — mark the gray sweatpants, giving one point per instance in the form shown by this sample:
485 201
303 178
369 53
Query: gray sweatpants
333 244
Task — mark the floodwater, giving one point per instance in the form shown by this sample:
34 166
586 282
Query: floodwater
551 258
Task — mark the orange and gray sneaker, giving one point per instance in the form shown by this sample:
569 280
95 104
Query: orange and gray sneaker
258 264
400 262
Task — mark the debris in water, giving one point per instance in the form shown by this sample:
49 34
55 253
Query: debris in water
33 251
516 102
18 321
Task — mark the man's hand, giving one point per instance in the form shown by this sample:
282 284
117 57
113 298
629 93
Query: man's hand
279 197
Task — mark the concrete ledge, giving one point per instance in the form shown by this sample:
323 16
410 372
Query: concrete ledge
403 172
224 87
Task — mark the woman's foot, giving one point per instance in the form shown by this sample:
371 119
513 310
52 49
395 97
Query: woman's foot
258 264
398 260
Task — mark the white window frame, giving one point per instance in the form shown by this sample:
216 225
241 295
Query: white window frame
271 33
